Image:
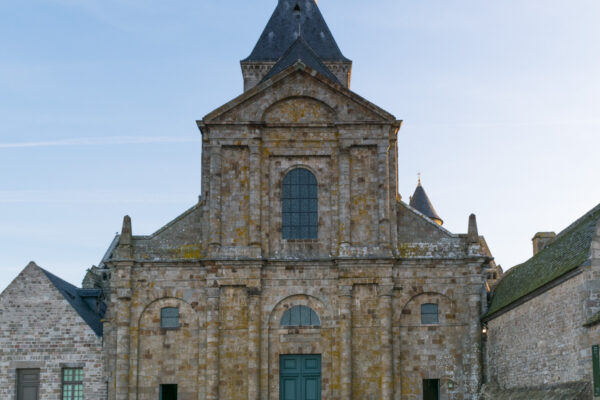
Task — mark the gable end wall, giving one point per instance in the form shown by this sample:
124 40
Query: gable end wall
43 331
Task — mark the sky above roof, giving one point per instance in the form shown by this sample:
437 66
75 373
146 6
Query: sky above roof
98 101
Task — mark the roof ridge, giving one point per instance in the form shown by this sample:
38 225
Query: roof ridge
568 251
577 222
90 317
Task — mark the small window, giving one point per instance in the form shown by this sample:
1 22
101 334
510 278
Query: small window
431 389
168 392
301 316
429 314
169 318
72 384
300 215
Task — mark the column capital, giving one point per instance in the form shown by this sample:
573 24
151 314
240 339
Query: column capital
385 290
345 291
213 292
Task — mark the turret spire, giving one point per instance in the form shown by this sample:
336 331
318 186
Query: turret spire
420 202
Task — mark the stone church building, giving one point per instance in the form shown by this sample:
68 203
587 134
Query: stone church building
300 274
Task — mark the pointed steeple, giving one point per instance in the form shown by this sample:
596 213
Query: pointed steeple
420 202
300 51
291 19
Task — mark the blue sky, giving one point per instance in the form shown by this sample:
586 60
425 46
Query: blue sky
98 102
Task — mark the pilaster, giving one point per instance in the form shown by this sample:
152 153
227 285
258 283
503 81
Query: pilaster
254 351
383 198
216 163
122 292
387 365
345 300
344 197
254 201
212 344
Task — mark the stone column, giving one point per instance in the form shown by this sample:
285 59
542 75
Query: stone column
344 196
122 321
345 300
212 344
385 323
254 201
383 197
254 322
216 162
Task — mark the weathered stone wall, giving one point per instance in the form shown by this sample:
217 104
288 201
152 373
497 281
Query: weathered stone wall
358 276
39 329
448 351
542 342
230 339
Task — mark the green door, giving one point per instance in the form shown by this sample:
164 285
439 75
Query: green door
300 377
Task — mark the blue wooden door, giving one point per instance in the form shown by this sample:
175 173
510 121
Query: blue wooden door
300 377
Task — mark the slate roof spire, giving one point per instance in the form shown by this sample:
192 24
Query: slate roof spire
420 202
290 20
300 51
282 30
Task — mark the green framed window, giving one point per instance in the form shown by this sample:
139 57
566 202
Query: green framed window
169 318
429 314
300 316
300 214
72 384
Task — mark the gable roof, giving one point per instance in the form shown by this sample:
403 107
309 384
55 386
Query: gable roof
291 19
300 51
81 300
248 95
420 202
569 250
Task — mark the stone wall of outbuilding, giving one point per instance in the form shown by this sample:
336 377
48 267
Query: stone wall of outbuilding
542 342
40 330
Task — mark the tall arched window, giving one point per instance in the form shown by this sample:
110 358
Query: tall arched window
301 316
300 218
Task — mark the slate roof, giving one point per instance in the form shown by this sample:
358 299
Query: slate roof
81 300
569 250
420 202
300 51
289 18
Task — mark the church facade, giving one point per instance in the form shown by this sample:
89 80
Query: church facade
300 274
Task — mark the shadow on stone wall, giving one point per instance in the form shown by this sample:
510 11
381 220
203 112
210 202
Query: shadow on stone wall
567 391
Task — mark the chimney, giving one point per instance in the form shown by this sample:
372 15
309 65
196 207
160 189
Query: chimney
541 240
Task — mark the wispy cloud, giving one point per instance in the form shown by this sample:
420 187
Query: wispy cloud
101 141
97 197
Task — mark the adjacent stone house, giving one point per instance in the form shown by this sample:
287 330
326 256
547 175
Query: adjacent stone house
50 339
543 318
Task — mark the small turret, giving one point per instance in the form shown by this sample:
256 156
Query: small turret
420 202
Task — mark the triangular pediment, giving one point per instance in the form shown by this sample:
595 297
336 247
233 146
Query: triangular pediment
323 101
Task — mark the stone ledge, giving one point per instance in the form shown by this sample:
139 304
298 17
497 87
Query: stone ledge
570 391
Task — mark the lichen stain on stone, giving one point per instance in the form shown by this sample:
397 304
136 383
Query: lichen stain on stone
189 252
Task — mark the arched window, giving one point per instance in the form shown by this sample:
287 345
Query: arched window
300 208
429 314
300 316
